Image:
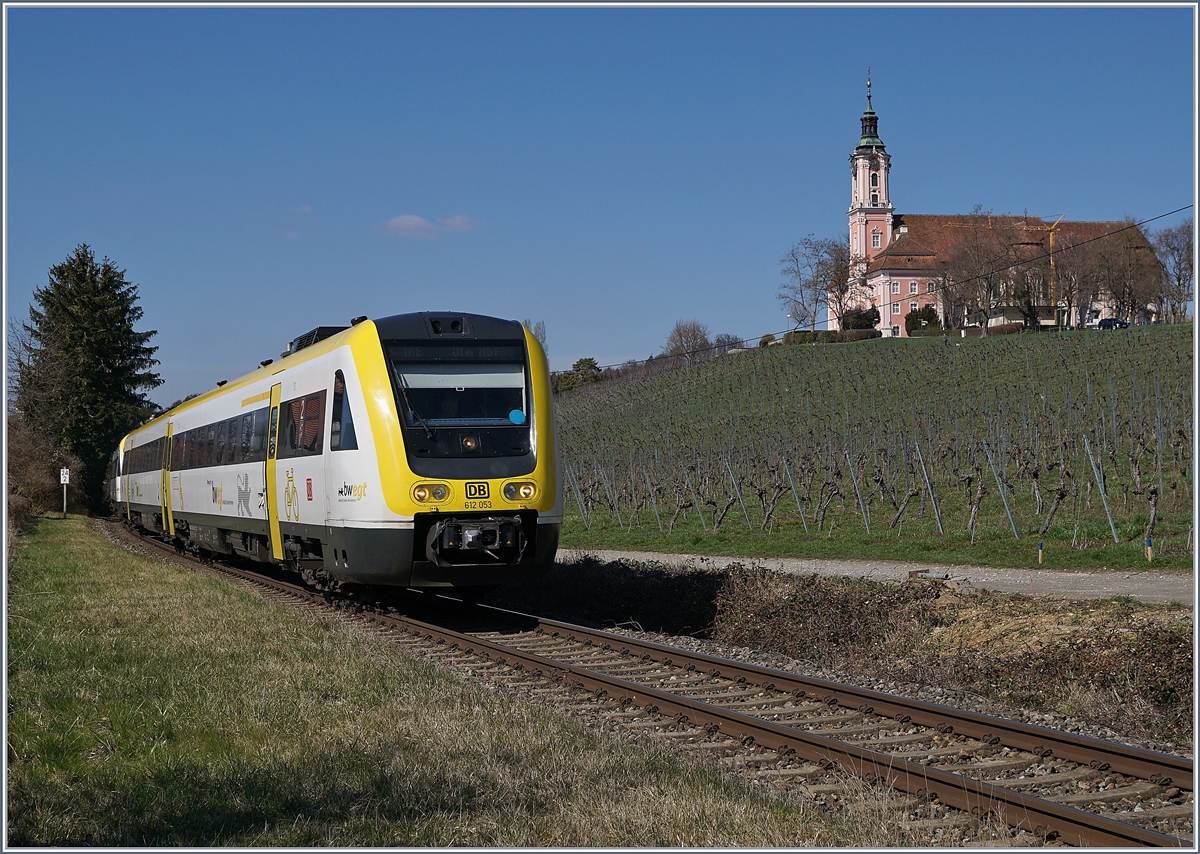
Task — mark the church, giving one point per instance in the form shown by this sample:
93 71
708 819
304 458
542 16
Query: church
906 262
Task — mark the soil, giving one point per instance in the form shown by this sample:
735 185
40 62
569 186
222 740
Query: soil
1149 586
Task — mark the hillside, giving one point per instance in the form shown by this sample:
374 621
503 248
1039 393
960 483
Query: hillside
966 450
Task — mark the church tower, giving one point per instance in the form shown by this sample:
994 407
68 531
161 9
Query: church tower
870 206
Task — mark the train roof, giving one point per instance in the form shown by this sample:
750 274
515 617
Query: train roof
431 325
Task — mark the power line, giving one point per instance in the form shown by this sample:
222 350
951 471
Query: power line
938 289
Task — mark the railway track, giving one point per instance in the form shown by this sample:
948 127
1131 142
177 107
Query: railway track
951 768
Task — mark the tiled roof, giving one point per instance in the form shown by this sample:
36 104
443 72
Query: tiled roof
930 239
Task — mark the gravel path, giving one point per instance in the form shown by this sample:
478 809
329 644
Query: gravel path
1145 585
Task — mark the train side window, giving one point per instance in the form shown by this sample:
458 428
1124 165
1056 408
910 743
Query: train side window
247 435
231 447
258 442
302 425
219 448
210 445
341 430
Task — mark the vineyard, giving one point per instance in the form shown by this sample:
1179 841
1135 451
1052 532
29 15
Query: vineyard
960 450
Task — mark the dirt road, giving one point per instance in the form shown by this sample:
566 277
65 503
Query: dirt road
1145 585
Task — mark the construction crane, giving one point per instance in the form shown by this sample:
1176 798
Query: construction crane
1052 229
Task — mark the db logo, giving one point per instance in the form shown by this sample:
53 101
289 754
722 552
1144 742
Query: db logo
477 490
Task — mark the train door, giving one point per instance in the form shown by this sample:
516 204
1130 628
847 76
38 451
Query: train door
272 491
168 517
127 479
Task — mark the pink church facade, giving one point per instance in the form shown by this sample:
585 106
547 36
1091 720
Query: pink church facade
901 259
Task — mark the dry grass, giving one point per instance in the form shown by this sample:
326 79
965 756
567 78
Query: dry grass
1112 663
151 706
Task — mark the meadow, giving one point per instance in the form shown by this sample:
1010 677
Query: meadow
954 450
152 706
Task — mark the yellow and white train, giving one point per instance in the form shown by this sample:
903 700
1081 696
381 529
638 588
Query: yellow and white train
416 450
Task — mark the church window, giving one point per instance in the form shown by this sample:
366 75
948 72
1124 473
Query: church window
875 198
912 306
895 331
874 234
895 287
912 287
874 179
929 288
895 308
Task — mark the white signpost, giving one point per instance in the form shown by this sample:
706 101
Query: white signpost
64 477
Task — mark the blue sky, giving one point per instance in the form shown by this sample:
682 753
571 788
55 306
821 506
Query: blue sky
609 171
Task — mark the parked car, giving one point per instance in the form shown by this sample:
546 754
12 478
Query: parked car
1113 323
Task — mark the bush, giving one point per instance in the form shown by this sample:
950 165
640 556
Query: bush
860 334
922 322
34 461
1006 329
767 340
829 336
20 511
864 318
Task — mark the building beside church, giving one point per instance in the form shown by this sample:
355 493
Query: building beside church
983 270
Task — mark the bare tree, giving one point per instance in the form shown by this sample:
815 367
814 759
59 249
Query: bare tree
688 341
539 332
978 265
1175 253
725 342
803 289
845 288
817 274
1129 272
1076 283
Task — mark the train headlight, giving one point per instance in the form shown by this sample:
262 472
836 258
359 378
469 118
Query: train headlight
424 492
519 491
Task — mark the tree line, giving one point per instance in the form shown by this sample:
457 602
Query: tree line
78 373
1002 261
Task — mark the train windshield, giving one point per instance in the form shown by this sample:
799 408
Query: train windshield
470 385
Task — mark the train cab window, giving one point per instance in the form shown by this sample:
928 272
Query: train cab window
303 420
481 386
341 430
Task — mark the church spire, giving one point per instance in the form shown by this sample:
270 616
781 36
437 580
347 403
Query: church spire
870 124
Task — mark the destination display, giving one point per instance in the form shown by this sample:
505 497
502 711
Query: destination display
457 352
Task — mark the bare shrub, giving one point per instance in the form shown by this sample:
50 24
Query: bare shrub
34 461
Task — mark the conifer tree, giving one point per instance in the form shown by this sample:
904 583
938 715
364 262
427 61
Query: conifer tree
84 370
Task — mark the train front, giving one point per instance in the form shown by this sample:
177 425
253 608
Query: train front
481 481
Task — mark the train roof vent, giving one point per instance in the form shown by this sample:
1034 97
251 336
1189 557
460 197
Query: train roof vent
312 337
448 325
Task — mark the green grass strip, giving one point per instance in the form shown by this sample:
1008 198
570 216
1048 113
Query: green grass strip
153 706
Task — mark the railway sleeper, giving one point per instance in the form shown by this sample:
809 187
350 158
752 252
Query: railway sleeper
1136 792
1053 779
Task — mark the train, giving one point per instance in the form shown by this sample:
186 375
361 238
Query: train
416 450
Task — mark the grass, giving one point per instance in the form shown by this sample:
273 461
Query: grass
917 542
151 706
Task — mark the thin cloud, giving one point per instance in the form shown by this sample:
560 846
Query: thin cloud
458 223
412 225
